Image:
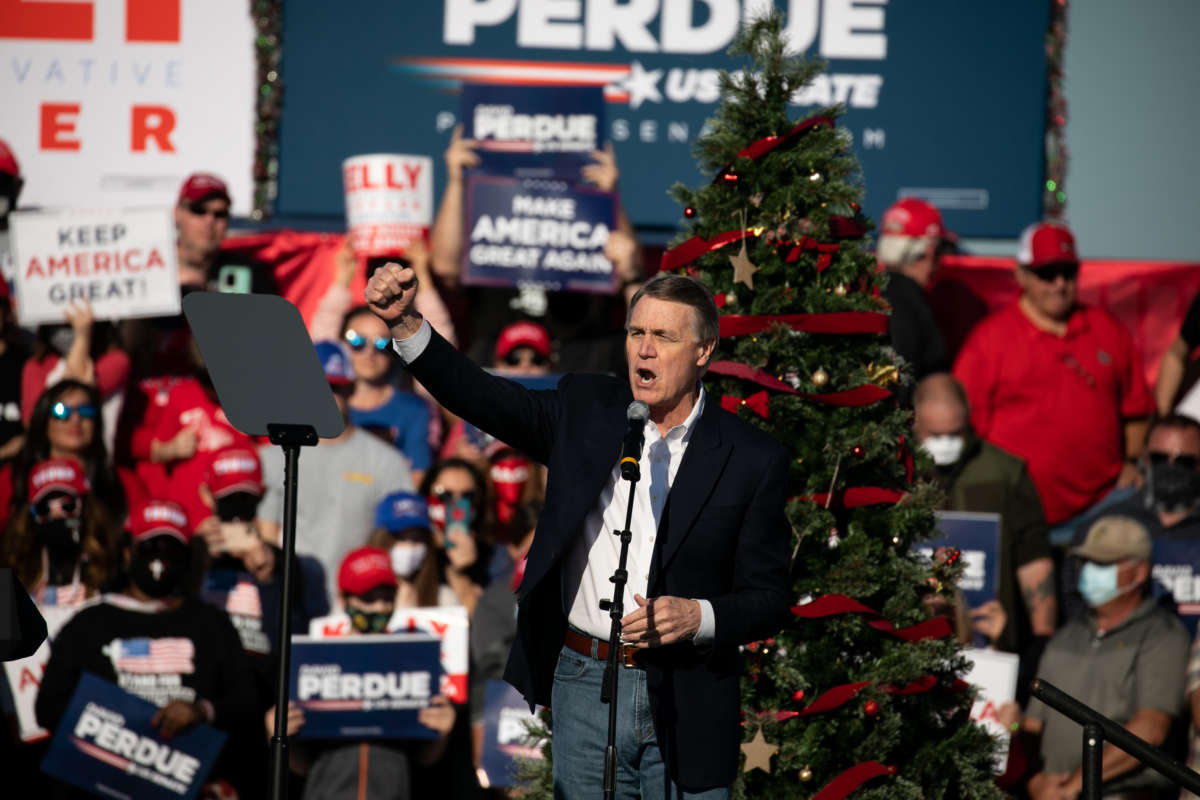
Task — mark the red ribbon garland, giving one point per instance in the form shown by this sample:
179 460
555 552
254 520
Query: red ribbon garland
760 147
693 248
756 402
846 228
859 396
835 604
841 786
836 697
856 497
806 244
838 322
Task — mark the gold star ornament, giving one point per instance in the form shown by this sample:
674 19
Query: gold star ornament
743 268
758 753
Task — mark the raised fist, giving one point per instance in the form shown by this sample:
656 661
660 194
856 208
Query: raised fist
390 293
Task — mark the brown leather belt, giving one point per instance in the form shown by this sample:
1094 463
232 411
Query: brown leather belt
582 643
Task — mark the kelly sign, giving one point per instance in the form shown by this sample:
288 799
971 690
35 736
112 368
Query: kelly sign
122 262
364 687
389 201
106 745
544 233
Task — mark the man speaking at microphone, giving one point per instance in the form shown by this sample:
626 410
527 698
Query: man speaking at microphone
710 543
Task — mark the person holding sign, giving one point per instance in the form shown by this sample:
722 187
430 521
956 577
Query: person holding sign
376 769
153 641
708 566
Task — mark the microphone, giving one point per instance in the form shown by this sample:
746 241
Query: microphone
631 447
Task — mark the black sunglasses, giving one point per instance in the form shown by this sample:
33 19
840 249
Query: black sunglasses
67 505
1052 272
357 342
62 411
1158 459
200 211
513 359
447 497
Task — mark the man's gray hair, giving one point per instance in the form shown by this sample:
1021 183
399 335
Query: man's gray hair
682 289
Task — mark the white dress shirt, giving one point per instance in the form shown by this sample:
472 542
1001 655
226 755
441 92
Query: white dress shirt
596 552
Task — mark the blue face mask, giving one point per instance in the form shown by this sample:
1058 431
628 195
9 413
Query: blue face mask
1098 583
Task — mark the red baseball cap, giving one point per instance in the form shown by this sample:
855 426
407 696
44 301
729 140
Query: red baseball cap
1045 243
523 334
912 216
365 569
56 475
234 469
159 518
201 186
8 161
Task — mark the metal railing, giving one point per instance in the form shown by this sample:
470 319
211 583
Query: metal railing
1097 729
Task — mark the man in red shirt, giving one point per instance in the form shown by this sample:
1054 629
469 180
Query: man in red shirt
1059 384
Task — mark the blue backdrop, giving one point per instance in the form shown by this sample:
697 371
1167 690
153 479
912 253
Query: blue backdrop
945 98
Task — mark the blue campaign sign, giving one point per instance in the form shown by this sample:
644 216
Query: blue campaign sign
365 687
533 131
977 536
505 736
106 746
547 233
1176 567
943 99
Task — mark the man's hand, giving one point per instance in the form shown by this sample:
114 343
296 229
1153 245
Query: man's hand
460 154
175 717
295 719
663 620
390 294
438 716
989 619
180 447
1130 476
603 173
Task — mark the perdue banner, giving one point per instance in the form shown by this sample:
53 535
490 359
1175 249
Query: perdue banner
121 262
114 102
106 745
944 100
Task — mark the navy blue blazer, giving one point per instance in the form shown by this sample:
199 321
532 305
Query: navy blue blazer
723 536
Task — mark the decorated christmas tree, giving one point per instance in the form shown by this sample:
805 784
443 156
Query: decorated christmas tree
861 693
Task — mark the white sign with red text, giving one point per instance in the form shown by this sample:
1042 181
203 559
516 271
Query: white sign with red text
389 201
25 674
114 102
994 674
122 262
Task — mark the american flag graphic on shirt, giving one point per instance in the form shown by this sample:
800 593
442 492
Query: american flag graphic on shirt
152 656
243 600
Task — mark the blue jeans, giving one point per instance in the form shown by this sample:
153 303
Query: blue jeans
581 733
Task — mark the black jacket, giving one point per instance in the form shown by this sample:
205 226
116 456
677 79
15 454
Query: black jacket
723 536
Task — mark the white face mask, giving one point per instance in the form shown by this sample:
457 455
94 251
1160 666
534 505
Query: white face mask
407 558
944 450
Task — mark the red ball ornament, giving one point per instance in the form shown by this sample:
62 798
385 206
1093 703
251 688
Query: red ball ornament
730 178
689 212
871 708
798 695
857 450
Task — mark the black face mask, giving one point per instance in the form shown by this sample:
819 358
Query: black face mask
60 537
239 506
370 621
1171 487
159 570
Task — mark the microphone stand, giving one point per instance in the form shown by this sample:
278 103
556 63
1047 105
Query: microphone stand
616 610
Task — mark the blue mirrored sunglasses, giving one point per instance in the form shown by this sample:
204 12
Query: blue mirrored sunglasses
63 411
357 342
